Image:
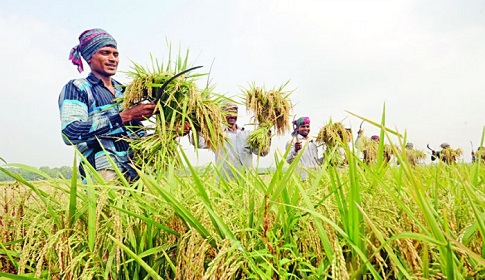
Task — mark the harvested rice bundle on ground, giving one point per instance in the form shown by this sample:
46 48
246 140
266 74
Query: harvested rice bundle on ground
335 136
270 108
181 106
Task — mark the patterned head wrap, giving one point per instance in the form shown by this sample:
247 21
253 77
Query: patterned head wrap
301 121
409 145
375 137
90 41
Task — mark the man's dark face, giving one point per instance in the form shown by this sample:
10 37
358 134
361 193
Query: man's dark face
104 62
231 116
304 129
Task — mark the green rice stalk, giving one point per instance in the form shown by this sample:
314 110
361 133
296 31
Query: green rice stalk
181 102
260 138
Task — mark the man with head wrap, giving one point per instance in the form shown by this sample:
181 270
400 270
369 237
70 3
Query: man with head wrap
90 117
301 143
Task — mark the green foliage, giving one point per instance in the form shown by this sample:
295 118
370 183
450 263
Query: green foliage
55 172
358 222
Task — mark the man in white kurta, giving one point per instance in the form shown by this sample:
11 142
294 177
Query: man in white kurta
301 143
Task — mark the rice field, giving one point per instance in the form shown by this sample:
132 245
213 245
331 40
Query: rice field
359 221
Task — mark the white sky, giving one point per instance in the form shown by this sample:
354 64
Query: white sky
424 60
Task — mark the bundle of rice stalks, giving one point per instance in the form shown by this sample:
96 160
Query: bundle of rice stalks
334 134
260 138
270 108
336 156
450 155
414 156
179 103
370 150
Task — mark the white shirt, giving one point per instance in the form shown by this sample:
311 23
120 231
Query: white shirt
309 159
236 153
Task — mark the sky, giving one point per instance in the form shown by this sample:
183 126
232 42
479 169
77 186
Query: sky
421 63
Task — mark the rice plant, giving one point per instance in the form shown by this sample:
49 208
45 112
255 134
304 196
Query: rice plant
181 106
271 108
357 222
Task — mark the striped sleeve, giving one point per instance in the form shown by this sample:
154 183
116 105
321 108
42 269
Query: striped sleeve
76 123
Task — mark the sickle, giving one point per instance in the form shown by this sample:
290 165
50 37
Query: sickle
162 89
429 147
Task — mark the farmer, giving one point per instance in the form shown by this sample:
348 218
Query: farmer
414 157
370 147
479 155
236 154
90 117
439 154
301 143
447 154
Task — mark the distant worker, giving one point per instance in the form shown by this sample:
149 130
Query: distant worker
301 143
413 156
447 154
480 154
370 148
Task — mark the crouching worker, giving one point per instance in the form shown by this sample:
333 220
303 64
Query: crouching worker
90 117
301 143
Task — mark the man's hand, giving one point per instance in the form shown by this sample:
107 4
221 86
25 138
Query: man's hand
138 112
187 128
298 146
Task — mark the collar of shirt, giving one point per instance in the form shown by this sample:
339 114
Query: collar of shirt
97 81
238 128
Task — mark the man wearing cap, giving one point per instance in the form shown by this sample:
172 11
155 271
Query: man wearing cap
236 154
90 117
302 144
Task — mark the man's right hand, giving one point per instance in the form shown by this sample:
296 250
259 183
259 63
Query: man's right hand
138 112
298 146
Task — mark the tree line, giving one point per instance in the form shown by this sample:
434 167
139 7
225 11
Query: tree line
54 172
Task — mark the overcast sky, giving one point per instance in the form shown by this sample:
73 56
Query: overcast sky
424 60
